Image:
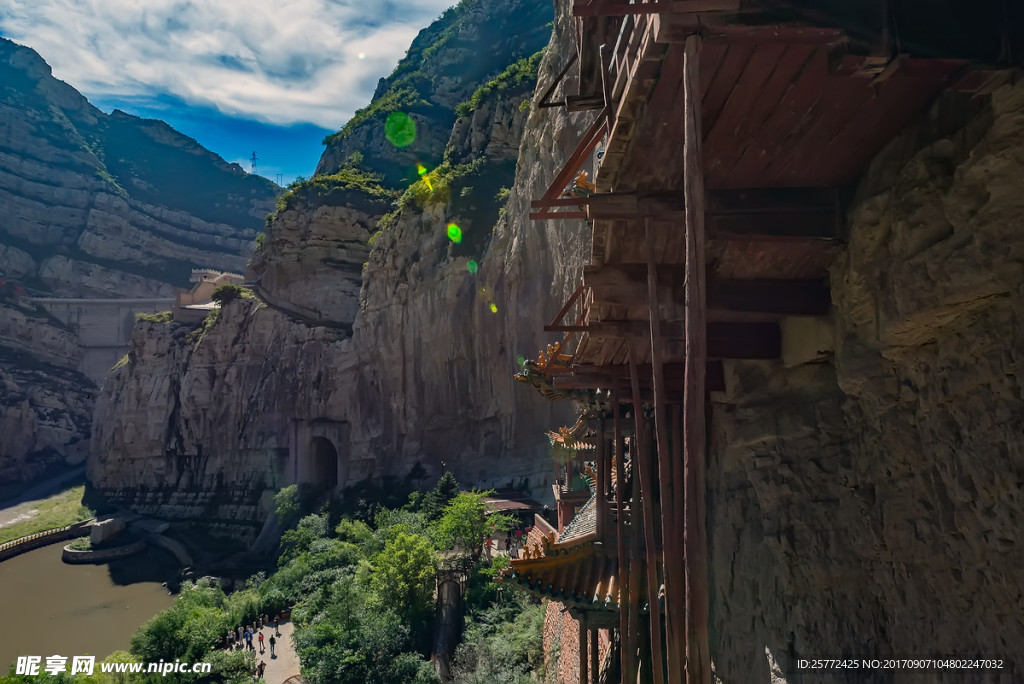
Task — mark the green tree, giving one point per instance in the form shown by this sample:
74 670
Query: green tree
227 292
287 506
298 541
462 525
402 576
445 490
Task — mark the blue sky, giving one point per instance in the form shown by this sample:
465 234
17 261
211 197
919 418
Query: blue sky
239 76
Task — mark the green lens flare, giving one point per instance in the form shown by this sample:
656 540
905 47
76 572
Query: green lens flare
472 266
494 308
421 169
454 233
400 129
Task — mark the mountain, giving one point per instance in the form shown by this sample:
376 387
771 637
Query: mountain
373 332
94 206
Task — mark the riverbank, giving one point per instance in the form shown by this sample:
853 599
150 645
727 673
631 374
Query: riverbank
25 517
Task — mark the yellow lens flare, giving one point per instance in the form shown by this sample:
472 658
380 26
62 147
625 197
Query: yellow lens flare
454 233
494 307
421 169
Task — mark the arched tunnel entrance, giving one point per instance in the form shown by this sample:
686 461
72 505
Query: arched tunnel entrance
324 463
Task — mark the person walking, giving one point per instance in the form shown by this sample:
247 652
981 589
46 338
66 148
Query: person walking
508 545
272 642
260 668
277 630
261 641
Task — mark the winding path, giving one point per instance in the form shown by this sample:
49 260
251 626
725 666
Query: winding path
286 664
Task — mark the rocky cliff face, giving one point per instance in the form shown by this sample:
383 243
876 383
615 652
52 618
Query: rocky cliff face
871 506
87 198
380 338
94 206
45 408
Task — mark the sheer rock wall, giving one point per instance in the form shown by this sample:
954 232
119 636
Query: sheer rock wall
870 506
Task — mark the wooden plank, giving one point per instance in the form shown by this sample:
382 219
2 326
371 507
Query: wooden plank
711 61
695 601
721 88
790 63
747 172
842 102
734 123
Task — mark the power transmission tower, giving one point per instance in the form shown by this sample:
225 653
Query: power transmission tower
252 161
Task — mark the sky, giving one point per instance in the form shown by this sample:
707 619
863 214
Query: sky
240 76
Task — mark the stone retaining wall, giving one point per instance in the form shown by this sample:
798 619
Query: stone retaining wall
70 555
34 541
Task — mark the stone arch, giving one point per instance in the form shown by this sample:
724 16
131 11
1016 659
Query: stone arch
321 447
323 463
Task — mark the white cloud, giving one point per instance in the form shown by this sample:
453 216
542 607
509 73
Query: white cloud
278 61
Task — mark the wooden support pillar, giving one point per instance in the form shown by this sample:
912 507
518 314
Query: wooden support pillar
636 521
642 463
583 649
626 661
595 667
671 504
600 488
698 658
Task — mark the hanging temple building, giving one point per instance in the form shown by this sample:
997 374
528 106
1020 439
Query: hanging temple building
726 138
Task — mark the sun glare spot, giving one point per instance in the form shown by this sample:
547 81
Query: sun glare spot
454 233
472 266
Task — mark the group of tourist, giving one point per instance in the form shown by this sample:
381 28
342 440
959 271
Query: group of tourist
514 540
244 636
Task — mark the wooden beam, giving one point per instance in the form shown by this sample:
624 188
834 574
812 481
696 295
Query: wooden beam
695 601
602 472
776 214
584 660
604 377
545 99
724 339
582 8
668 488
572 165
785 297
642 467
796 297
625 657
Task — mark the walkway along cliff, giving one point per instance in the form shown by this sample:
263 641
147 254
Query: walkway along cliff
795 342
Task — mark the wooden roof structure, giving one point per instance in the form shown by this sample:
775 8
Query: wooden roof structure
726 139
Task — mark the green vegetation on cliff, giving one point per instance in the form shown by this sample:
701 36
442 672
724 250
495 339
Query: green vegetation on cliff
520 74
361 592
468 46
